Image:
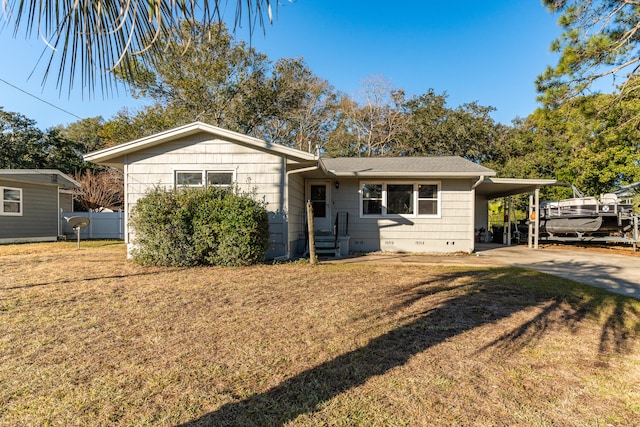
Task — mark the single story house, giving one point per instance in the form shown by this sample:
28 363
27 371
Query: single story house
32 200
410 204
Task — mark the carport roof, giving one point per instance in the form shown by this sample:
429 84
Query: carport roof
492 188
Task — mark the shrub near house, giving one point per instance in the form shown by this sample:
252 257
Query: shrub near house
198 226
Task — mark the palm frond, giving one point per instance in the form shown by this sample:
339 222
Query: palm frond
88 39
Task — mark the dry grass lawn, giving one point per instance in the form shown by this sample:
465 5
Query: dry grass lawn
89 338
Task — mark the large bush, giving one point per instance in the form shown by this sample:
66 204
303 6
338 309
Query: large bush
192 227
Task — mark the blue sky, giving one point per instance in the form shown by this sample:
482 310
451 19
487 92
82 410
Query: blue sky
489 51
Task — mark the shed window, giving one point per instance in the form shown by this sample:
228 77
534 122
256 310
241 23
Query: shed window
11 201
416 199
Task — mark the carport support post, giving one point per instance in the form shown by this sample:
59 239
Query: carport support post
537 220
504 222
530 233
507 223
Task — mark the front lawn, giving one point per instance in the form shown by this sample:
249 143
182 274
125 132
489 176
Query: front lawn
89 338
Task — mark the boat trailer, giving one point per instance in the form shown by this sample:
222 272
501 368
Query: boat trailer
606 220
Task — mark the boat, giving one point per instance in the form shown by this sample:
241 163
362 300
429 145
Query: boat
586 216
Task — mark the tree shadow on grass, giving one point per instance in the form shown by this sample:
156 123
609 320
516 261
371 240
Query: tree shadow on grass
77 279
488 297
571 304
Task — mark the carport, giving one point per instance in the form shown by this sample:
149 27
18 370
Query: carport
491 188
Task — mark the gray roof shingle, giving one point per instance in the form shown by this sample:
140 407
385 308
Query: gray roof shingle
445 166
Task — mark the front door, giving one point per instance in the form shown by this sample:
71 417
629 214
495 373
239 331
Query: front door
319 192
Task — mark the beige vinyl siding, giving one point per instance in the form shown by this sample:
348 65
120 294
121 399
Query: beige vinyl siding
39 219
254 170
449 233
296 215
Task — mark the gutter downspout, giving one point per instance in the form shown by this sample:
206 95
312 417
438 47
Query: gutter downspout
286 189
478 182
475 185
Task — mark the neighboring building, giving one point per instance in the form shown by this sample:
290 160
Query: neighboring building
32 200
410 204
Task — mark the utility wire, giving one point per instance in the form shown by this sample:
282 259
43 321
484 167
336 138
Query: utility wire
40 99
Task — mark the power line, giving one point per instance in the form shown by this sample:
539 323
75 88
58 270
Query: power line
40 99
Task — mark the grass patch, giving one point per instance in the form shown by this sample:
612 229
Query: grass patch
89 338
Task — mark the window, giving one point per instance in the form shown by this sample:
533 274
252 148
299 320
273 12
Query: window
427 199
319 200
11 201
189 179
219 179
371 199
196 178
408 199
400 199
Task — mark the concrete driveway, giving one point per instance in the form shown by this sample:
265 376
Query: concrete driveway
616 273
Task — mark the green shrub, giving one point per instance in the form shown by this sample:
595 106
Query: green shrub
198 227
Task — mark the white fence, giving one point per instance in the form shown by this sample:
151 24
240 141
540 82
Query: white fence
102 225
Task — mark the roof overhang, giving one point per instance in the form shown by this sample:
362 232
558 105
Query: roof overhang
115 156
403 167
492 188
401 174
52 177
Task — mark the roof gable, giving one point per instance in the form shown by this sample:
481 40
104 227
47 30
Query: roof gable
401 167
114 156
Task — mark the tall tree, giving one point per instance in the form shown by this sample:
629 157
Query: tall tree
85 132
589 141
600 38
300 107
203 74
370 124
94 37
434 129
224 82
384 122
23 145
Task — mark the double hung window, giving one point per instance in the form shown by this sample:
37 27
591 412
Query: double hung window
11 201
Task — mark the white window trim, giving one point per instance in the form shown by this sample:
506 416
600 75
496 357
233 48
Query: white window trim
175 178
204 173
231 171
2 212
415 199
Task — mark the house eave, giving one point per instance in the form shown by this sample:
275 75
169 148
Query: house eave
114 156
13 175
406 175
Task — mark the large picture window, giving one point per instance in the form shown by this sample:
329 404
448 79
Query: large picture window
400 199
417 199
11 201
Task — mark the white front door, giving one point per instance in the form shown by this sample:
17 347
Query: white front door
319 192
